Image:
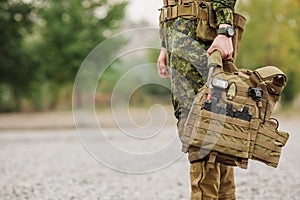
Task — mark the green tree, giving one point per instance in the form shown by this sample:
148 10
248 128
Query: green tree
43 44
16 65
68 31
272 38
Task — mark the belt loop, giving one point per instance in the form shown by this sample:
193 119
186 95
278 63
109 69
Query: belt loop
165 11
195 9
162 14
174 12
168 13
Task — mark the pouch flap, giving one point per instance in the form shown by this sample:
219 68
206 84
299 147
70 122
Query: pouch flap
270 72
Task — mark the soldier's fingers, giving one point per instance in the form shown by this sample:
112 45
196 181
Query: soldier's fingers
227 53
164 75
163 71
228 56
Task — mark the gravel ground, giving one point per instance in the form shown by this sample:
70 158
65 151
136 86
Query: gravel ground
53 164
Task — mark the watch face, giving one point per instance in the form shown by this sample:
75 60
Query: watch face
230 31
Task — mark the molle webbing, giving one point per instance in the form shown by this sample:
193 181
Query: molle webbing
179 2
172 12
266 157
221 123
190 9
169 3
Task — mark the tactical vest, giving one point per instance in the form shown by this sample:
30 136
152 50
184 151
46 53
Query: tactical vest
231 115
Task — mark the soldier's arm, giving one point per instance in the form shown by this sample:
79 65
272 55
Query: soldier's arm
224 11
224 14
162 65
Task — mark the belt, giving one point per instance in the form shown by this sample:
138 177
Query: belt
170 3
171 12
188 8
178 2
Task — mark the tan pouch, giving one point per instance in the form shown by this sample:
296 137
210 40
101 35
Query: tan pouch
207 25
268 144
239 23
232 137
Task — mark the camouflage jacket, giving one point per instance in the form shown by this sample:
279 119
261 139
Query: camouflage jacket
187 56
224 10
187 60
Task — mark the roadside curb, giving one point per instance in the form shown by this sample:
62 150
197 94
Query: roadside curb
65 120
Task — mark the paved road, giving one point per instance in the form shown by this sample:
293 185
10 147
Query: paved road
53 164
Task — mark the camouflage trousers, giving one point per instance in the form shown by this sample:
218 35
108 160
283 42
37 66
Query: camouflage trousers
187 60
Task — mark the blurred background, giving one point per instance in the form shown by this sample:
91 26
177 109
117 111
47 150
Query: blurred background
43 44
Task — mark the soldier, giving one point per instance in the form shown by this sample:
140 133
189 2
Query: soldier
183 58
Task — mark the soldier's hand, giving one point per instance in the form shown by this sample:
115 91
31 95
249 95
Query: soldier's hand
162 66
224 45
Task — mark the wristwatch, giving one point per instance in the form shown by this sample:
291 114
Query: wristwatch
228 31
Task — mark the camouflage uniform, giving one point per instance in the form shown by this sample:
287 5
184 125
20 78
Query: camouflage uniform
187 60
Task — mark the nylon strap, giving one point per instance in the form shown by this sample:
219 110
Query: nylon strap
268 145
243 100
186 1
238 20
255 124
265 157
242 88
224 131
165 3
172 12
223 119
272 134
169 3
253 135
223 143
191 1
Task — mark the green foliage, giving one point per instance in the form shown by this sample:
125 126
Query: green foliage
108 80
272 38
43 44
70 30
15 63
289 93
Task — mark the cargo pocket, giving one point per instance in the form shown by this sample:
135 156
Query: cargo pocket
268 144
